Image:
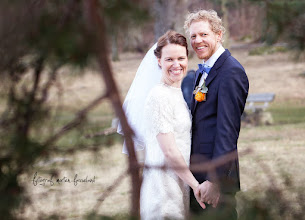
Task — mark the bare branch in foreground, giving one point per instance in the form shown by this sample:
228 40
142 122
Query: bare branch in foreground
80 116
97 29
105 132
110 189
201 167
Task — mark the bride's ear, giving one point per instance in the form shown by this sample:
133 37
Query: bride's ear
159 63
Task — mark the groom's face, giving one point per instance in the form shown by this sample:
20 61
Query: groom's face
204 41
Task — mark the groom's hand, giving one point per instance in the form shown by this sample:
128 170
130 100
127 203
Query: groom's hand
209 193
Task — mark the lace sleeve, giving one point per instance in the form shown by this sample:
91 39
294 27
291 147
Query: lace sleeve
159 113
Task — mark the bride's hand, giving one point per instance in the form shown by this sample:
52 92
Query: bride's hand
198 196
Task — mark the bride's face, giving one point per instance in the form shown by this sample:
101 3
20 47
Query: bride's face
173 63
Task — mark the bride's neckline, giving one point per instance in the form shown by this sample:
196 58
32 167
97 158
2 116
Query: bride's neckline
169 86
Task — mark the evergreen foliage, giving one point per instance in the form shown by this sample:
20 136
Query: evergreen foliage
37 38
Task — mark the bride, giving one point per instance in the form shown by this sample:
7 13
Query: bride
158 113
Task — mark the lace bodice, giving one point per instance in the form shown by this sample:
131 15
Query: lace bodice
166 111
163 193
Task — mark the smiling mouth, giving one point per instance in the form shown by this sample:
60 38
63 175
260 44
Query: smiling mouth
176 72
201 48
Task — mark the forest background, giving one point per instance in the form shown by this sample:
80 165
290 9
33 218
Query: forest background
66 67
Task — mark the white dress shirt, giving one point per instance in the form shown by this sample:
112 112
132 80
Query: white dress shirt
210 62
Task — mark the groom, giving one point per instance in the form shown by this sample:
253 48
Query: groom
216 114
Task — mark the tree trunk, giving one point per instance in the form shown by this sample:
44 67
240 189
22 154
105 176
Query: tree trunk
169 15
243 16
160 12
179 14
96 26
114 45
225 12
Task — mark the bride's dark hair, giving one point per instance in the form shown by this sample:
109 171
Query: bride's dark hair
170 37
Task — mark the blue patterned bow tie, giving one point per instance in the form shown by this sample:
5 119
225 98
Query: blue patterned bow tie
203 68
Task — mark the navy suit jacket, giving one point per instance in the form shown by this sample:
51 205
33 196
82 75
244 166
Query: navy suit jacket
187 87
216 121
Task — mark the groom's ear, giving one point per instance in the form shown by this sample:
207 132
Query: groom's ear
219 36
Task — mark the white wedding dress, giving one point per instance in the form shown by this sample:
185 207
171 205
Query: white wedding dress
163 193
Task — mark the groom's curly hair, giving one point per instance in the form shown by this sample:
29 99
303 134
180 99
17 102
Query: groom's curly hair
205 15
170 37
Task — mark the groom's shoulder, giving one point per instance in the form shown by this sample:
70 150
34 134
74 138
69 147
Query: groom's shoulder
231 62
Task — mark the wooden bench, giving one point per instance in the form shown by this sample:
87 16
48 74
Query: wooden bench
259 101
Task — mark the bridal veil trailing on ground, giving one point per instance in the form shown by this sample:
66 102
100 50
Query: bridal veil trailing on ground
148 75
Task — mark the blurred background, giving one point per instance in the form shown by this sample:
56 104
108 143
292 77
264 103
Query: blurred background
60 157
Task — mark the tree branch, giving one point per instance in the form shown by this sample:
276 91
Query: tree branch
109 189
80 116
96 28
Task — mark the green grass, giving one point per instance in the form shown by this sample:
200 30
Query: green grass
288 113
267 50
77 138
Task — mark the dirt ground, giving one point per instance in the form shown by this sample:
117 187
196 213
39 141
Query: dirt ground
279 147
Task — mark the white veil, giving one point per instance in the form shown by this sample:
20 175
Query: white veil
148 75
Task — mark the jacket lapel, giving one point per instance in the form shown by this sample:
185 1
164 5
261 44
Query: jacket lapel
197 78
212 74
217 65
